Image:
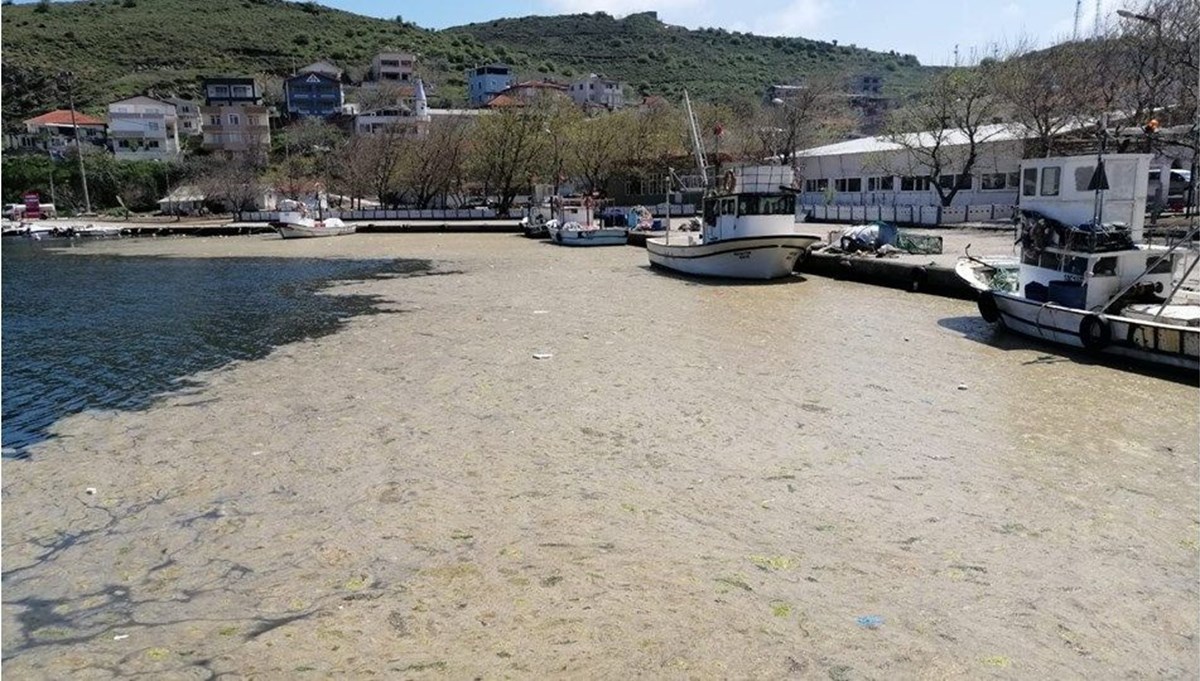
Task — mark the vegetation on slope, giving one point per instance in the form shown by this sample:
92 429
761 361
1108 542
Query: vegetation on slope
118 48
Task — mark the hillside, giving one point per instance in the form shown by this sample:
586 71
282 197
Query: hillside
118 48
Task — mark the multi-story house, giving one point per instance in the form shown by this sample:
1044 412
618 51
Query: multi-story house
315 90
593 90
234 118
519 94
485 82
55 132
188 113
407 121
143 128
393 67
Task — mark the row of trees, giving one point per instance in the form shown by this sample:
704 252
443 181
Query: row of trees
1143 69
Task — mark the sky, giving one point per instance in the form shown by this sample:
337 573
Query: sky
929 29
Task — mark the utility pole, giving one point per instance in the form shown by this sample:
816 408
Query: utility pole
70 80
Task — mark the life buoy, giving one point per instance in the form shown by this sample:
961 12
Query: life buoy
729 183
918 277
1094 331
988 308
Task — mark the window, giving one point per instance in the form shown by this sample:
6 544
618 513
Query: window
946 181
1105 267
152 144
992 181
1074 265
1014 180
234 119
123 144
879 184
152 125
766 205
1165 266
816 185
966 181
1083 177
187 125
1050 177
221 90
1029 182
914 184
214 120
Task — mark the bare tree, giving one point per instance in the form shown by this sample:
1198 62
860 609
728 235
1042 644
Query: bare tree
943 130
433 162
816 112
232 179
1043 93
350 170
594 148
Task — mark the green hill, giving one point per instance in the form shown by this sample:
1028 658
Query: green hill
118 48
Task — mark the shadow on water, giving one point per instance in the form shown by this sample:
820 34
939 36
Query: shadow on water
85 331
977 330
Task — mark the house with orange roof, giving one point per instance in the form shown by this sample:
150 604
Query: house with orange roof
55 132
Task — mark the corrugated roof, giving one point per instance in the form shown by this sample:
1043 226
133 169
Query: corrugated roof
63 117
996 132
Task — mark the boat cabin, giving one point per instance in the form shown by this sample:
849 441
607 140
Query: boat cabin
749 202
1071 258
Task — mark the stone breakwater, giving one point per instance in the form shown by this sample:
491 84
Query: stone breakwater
701 481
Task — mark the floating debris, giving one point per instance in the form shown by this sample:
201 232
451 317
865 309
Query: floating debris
870 621
542 355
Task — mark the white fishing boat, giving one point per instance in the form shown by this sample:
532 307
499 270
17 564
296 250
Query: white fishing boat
98 231
748 230
575 226
576 234
295 222
1084 277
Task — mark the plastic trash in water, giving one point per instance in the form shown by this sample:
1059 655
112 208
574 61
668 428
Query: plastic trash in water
870 621
542 355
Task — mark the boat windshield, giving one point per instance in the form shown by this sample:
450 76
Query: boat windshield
750 204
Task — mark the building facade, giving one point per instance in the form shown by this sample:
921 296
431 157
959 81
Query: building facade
485 82
54 132
187 113
596 91
878 171
313 93
234 118
393 67
143 128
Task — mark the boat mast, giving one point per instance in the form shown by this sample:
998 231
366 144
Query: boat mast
697 145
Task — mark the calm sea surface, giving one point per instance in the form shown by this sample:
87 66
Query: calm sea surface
84 331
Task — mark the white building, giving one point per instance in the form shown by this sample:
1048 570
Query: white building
143 128
188 114
595 90
878 171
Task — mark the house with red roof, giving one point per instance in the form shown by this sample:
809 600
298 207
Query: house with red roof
55 132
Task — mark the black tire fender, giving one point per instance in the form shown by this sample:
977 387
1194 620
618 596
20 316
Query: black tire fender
918 277
1094 331
988 308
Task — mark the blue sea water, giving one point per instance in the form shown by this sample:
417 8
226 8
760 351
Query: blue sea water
90 331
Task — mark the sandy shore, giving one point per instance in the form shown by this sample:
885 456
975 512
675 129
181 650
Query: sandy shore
809 479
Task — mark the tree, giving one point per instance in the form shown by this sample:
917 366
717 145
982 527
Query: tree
816 111
433 162
943 130
509 148
595 147
232 180
1043 93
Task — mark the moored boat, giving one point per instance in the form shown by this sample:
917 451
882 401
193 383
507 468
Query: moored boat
748 230
294 222
1087 283
575 226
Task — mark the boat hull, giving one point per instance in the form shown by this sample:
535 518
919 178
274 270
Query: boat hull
604 236
639 237
765 257
1168 345
313 229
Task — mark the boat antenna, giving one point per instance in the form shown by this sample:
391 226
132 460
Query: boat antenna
697 145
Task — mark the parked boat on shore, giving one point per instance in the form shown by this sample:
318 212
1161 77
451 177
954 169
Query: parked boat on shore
1085 282
575 226
294 222
748 230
